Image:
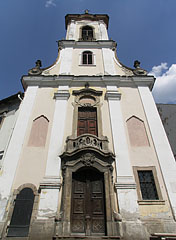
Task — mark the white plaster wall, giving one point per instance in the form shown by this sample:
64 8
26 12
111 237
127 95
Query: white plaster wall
48 204
103 31
163 150
66 61
108 62
15 147
32 162
71 29
95 69
143 156
6 129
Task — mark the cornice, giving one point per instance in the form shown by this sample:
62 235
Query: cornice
94 81
91 17
87 44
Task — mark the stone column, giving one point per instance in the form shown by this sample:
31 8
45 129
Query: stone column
163 149
125 185
51 184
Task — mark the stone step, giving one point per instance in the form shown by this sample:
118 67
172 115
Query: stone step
86 237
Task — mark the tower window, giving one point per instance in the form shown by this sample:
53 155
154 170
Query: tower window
87 58
147 185
20 221
87 33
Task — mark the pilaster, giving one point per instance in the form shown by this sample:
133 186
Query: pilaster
51 184
125 185
162 146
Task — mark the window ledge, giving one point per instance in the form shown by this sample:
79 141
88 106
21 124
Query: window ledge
151 202
87 65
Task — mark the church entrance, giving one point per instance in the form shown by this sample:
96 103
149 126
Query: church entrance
88 203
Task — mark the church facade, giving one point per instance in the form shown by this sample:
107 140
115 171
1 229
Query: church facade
88 157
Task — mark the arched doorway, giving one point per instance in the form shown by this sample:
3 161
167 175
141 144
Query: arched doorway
88 203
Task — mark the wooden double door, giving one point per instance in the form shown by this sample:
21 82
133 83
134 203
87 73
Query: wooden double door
88 203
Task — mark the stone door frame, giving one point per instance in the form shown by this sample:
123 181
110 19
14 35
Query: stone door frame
87 159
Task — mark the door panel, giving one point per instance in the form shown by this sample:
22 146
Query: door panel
87 121
88 214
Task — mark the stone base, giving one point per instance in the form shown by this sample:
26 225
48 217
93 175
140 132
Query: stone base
86 237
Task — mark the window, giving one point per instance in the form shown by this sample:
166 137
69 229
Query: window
87 33
147 185
20 221
87 58
87 121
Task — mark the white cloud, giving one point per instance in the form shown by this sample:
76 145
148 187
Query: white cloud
164 90
50 3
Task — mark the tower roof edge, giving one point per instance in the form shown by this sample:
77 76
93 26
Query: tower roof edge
87 16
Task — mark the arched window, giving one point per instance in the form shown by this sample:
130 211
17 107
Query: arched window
87 58
87 33
20 221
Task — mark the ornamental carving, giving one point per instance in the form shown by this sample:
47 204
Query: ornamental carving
138 70
88 159
36 70
87 141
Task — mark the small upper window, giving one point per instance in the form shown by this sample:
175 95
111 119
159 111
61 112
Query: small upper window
87 57
87 33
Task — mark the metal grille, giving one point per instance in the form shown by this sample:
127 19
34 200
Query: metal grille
147 184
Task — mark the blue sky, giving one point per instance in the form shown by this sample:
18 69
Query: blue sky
143 30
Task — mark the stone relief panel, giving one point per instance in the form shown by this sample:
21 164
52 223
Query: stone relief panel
137 132
38 132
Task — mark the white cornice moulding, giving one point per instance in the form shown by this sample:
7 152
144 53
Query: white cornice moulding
94 81
87 44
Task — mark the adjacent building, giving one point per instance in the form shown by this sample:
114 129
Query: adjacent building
88 156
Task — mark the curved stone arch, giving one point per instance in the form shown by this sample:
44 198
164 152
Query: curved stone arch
27 185
137 132
87 158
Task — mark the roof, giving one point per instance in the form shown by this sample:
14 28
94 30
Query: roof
86 16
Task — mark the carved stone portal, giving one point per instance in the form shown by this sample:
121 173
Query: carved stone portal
87 196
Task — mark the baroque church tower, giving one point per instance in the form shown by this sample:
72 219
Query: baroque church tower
88 156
